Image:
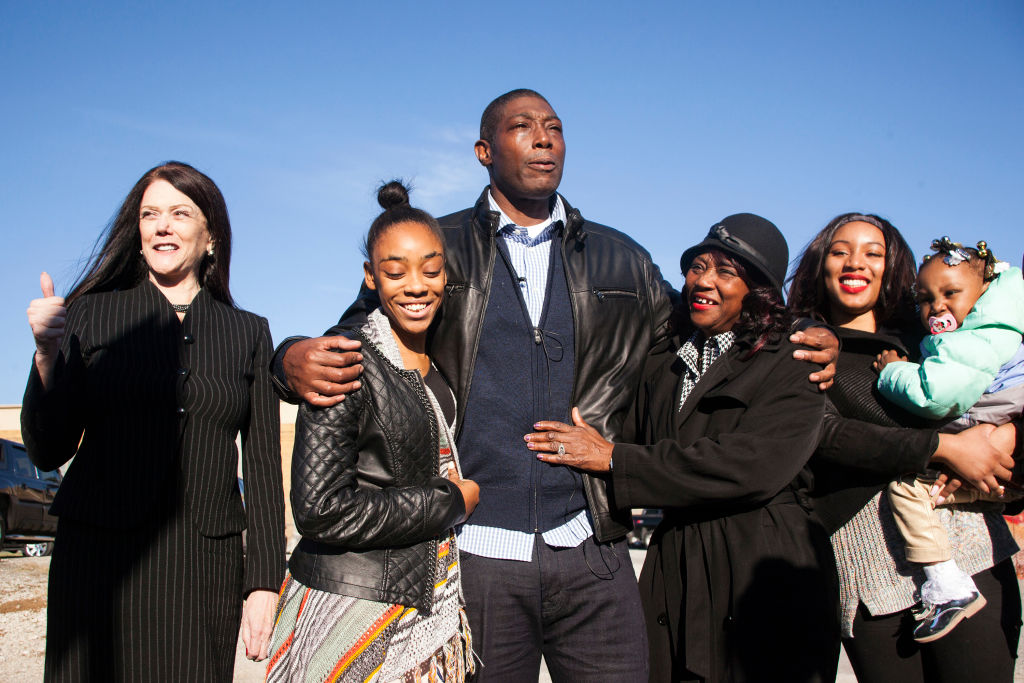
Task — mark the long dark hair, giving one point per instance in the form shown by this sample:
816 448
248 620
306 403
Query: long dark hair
763 315
895 305
118 263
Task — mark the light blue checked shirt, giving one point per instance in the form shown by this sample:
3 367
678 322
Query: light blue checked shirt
529 251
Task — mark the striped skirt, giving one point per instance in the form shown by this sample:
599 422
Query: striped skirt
157 603
327 637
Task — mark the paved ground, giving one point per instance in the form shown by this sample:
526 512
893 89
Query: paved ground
23 625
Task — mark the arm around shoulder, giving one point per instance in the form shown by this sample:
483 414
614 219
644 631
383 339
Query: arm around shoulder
322 370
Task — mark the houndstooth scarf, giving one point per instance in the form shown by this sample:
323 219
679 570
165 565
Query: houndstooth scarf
698 360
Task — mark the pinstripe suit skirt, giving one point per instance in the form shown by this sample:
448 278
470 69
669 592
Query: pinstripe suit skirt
158 603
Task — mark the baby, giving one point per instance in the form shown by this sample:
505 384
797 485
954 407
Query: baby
971 371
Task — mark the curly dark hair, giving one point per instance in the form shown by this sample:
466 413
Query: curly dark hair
763 315
895 306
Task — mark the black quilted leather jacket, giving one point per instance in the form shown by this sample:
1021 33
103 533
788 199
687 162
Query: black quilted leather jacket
365 491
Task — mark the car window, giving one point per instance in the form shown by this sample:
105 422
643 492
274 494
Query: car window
52 477
23 467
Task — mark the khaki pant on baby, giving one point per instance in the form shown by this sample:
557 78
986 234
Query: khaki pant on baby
925 536
915 516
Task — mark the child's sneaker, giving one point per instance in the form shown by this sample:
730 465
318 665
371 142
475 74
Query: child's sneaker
943 617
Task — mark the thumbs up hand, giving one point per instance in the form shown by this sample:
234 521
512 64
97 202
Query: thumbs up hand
46 317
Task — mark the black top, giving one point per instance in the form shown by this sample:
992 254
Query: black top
867 441
443 393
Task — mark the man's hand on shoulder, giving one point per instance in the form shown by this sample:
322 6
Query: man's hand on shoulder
822 348
323 370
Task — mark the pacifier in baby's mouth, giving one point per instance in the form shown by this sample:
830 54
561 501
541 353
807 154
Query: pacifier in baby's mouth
937 324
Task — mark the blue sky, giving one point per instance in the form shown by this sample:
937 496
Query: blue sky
676 114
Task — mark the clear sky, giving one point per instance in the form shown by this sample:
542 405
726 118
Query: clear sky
676 114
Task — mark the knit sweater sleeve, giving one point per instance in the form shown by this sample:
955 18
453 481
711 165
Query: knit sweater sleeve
959 366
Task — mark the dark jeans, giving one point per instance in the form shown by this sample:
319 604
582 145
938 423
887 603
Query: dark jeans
579 607
982 648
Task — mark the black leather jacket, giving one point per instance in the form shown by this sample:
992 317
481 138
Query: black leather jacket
620 305
366 494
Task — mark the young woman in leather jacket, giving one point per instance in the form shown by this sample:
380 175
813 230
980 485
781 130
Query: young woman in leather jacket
374 588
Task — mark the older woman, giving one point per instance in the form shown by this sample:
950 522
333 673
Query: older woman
857 274
738 581
145 374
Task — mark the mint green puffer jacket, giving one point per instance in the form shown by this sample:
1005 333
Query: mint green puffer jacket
958 366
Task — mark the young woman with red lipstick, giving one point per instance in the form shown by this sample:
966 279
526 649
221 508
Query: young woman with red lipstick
857 274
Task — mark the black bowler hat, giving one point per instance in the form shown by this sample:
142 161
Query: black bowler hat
755 240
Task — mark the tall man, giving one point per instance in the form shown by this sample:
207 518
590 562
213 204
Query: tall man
545 310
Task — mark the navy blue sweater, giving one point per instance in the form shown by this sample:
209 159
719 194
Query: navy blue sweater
522 374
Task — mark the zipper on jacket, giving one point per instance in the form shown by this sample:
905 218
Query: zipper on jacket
586 480
420 387
570 220
574 217
603 293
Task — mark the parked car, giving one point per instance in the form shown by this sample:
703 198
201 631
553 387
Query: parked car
26 494
644 521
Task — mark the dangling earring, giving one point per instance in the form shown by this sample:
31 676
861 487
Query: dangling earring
209 249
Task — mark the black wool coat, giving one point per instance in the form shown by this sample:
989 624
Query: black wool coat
739 581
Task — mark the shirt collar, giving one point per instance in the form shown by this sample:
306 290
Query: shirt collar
557 214
698 346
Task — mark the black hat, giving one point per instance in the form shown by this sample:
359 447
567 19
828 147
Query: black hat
755 240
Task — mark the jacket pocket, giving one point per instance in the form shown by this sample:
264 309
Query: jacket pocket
612 293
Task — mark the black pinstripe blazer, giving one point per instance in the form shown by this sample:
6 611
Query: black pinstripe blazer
150 408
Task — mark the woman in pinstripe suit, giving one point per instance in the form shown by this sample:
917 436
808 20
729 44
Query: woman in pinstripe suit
146 374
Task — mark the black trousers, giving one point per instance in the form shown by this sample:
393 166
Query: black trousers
982 648
579 607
